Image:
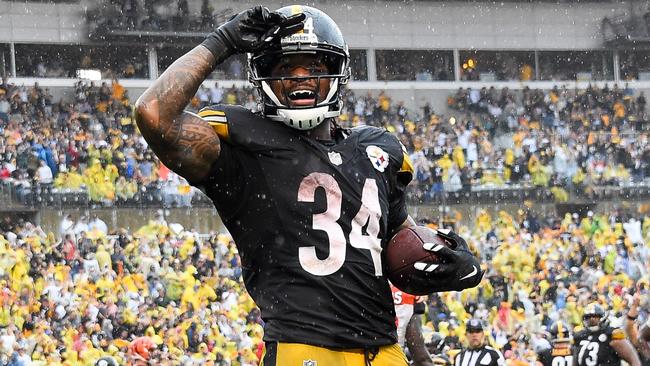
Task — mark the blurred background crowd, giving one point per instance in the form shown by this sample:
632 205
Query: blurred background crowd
565 140
72 296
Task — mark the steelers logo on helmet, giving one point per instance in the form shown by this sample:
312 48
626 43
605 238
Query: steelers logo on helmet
299 78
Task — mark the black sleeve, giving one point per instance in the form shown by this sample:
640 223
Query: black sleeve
237 128
225 184
402 176
418 308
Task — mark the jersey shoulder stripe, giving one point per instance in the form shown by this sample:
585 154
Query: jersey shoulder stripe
407 165
618 334
217 119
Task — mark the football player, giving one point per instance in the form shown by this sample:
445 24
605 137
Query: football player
409 310
310 205
601 344
560 353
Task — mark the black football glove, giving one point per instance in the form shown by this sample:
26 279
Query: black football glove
459 269
250 31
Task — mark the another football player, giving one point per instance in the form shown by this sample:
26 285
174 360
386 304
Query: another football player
310 205
409 310
560 352
601 344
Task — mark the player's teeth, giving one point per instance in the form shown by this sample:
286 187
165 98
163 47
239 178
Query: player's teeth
302 93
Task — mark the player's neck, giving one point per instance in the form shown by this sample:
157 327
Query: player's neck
322 132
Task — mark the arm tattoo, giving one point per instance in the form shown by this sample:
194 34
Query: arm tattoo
193 137
183 141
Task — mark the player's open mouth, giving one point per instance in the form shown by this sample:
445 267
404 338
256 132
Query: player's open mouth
302 97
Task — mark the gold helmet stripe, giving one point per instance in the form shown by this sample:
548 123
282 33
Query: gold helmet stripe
296 9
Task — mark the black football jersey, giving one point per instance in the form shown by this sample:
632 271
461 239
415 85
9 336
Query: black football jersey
592 348
557 356
310 220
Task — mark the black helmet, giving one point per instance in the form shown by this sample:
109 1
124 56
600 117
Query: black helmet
594 310
560 332
320 36
474 325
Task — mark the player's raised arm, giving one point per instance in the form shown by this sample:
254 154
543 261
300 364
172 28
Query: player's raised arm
624 349
182 140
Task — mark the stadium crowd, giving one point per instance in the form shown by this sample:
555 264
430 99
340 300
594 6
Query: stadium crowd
69 297
84 292
561 139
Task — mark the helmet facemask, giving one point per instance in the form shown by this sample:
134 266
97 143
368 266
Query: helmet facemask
321 39
595 317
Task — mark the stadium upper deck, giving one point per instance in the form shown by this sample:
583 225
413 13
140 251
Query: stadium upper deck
410 49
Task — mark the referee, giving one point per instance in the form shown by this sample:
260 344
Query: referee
478 353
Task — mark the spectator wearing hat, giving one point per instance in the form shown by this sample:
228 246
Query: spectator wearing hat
477 351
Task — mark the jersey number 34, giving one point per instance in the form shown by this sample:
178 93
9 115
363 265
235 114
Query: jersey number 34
369 215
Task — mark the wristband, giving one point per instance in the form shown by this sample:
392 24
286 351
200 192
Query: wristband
632 317
217 46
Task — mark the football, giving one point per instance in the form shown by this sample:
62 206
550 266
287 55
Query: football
404 250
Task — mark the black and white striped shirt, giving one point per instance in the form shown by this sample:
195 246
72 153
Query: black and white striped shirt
484 356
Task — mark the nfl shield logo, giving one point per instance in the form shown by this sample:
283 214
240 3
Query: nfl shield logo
335 158
378 157
309 363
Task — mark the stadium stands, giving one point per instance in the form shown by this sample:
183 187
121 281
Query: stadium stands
538 118
70 297
490 144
